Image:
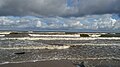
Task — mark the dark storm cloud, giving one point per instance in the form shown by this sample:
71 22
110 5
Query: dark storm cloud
32 7
57 7
99 7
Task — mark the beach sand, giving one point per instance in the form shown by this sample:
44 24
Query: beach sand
60 63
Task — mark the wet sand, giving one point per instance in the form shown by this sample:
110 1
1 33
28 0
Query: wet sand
60 63
66 63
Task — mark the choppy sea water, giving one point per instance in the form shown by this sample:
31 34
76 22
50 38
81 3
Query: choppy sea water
79 50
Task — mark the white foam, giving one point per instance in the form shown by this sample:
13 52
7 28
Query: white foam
76 35
34 47
2 35
62 38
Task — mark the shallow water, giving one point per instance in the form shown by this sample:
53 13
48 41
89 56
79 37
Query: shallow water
92 50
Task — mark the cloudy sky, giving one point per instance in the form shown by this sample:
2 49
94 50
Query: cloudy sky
98 15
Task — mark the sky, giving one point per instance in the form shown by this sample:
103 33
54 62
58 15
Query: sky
88 15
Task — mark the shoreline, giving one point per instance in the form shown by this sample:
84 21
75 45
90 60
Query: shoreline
51 63
65 63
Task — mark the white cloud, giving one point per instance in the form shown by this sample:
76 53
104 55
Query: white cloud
94 22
